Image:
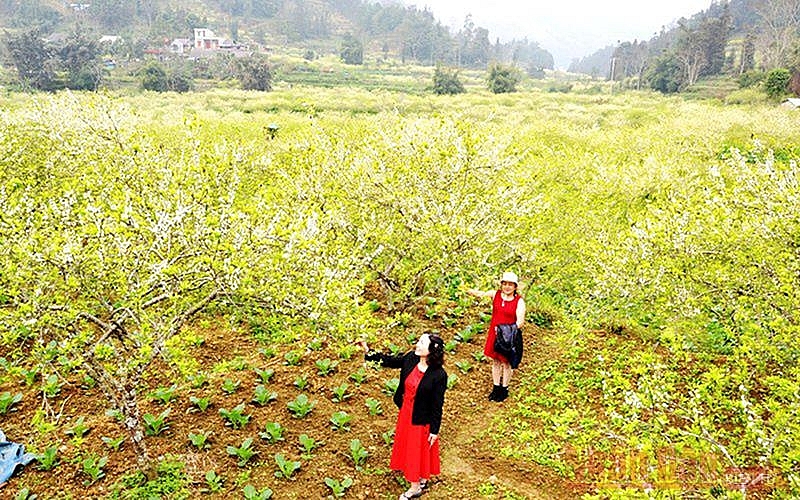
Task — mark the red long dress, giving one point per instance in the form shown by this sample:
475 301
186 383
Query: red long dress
411 452
503 312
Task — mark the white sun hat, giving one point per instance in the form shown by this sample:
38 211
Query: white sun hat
510 277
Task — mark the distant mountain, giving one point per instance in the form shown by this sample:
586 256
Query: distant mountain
729 38
597 65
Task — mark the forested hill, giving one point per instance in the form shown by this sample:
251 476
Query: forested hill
385 29
730 38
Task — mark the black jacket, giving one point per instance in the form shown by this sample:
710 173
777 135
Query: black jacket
429 400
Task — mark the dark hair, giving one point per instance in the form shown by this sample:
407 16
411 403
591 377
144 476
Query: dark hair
435 351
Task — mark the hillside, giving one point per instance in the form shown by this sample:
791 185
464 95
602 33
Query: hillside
386 30
728 39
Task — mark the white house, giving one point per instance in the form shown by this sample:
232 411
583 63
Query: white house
205 39
110 39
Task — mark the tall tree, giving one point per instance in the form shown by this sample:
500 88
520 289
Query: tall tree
80 59
747 58
352 50
779 23
34 59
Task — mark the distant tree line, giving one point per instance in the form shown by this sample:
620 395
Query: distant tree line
407 32
729 38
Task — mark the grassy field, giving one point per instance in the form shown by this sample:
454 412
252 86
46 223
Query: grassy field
655 237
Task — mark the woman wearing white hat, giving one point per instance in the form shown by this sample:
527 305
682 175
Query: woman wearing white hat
507 307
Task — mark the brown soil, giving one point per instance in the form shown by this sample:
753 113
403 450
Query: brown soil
471 468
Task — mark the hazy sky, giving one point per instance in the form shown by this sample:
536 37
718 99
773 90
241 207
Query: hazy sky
568 29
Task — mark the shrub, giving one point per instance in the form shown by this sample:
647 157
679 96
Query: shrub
445 81
776 83
503 79
745 96
254 73
751 78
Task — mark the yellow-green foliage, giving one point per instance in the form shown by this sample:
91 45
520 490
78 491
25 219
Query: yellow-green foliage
635 212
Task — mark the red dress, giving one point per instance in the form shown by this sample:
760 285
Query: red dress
411 452
503 312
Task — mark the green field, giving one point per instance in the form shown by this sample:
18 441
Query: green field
657 240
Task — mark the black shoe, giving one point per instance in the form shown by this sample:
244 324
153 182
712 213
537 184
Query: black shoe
495 393
502 394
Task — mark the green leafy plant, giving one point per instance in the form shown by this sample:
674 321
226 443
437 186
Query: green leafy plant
316 344
300 406
479 356
243 453
340 421
286 468
395 350
388 437
359 376
235 417
48 459
340 392
374 406
273 432
251 493
52 386
452 379
338 488
450 346
293 358
93 467
200 440
230 386
326 366
214 482
155 425
467 334
358 454
307 445
267 352
7 401
346 351
88 382
264 375
390 386
201 404
164 395
30 375
79 429
25 494
464 366
198 380
301 382
263 396
113 443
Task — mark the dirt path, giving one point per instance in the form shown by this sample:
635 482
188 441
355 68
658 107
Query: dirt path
472 466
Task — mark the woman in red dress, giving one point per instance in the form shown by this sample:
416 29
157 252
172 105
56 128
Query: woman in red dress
420 397
507 307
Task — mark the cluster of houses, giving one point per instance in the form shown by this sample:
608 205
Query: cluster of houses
205 43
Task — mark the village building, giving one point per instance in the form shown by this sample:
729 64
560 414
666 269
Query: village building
180 46
791 103
205 39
